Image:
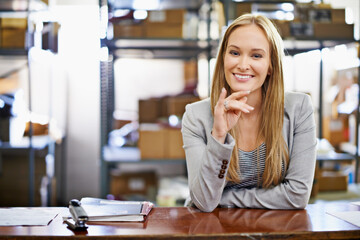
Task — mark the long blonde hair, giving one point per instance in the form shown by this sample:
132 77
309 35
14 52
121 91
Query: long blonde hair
271 122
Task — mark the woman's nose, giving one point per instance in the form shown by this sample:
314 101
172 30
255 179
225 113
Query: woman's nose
243 63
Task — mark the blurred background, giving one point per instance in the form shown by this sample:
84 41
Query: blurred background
92 93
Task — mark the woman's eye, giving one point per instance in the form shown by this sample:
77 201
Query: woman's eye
256 55
234 53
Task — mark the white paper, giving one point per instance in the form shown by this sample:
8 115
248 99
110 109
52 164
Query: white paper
352 217
19 216
356 203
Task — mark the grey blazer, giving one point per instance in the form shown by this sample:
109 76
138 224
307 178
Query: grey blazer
205 158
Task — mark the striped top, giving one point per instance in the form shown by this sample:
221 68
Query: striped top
251 169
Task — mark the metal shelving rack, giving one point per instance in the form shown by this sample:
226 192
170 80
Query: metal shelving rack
22 52
160 49
35 145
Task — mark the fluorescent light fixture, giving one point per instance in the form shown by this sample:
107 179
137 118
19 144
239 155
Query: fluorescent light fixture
280 15
287 7
303 1
173 120
121 12
140 14
289 16
146 4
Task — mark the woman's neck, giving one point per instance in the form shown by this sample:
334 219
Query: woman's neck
249 124
254 99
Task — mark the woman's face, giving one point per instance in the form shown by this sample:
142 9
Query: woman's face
247 58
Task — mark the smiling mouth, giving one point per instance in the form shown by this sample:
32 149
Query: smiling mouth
243 78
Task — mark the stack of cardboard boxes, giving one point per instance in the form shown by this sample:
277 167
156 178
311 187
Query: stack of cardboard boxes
160 141
158 24
311 21
13 32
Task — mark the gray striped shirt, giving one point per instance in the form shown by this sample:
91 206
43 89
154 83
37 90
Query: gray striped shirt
251 168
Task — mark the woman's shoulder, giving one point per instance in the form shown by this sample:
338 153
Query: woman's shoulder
198 111
200 106
197 116
297 101
296 98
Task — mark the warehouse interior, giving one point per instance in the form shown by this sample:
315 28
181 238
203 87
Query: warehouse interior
92 93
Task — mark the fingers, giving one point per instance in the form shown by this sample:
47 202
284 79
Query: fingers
222 95
222 102
238 95
241 105
237 102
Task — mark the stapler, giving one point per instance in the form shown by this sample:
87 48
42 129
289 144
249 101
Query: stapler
79 216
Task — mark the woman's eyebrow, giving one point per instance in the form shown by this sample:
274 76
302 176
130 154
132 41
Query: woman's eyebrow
253 49
234 46
258 49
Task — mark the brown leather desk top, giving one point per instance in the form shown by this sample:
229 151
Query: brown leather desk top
189 223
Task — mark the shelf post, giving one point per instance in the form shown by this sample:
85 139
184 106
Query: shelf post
321 93
357 134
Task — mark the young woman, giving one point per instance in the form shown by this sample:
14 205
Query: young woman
250 145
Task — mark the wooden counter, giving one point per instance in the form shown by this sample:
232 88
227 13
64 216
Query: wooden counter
190 223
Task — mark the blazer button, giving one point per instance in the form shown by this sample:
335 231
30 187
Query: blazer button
223 167
221 175
222 171
225 162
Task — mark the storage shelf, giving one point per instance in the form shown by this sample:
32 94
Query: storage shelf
13 52
301 45
160 48
334 156
132 155
37 143
162 4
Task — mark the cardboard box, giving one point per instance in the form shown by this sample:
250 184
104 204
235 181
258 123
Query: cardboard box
14 180
333 30
283 28
300 29
190 72
315 186
336 130
338 15
152 144
149 110
13 38
176 105
333 181
19 23
129 30
174 148
242 8
165 23
5 129
161 143
163 30
37 129
171 16
319 15
139 183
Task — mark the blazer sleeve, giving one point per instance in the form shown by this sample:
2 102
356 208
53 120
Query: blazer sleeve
294 191
204 159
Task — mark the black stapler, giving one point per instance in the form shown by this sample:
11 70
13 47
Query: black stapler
79 216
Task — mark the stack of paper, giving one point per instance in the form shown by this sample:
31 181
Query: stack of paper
100 210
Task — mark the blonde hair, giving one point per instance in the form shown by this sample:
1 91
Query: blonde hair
271 122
